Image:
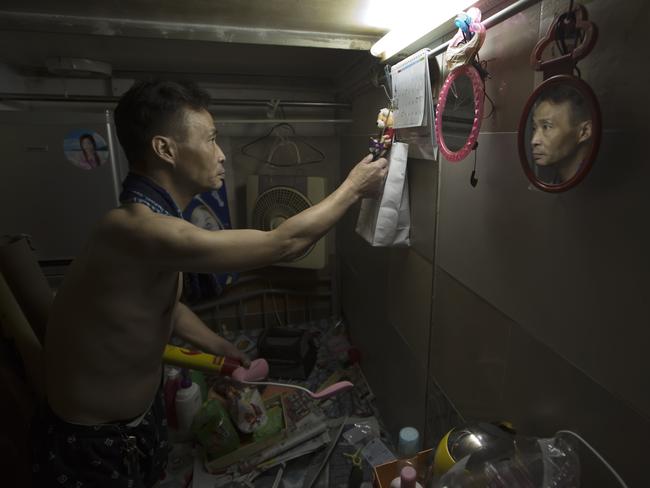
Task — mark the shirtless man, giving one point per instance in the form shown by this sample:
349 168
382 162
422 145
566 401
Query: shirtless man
104 424
561 136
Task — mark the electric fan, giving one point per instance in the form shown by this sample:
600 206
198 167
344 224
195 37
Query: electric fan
273 199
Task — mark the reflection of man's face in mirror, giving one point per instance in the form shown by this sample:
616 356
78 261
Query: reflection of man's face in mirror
561 131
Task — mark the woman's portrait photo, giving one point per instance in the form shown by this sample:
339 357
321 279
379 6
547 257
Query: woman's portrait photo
86 149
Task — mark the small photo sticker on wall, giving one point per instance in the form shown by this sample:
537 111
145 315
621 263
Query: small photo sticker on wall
86 149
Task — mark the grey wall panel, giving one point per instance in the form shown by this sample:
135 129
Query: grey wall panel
543 393
408 296
440 417
507 50
44 195
469 349
567 267
492 369
423 188
388 362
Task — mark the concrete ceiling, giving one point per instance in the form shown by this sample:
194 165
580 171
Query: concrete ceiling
308 41
333 17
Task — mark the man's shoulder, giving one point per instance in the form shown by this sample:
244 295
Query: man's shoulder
126 217
117 223
119 219
135 223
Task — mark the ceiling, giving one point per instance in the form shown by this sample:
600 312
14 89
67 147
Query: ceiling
307 41
326 16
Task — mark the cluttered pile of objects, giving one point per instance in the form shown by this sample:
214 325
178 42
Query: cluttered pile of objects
301 415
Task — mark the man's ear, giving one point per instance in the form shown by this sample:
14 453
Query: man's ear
584 131
164 148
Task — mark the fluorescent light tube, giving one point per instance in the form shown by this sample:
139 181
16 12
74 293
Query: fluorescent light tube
424 17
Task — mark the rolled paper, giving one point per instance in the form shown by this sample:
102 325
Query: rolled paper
27 282
200 361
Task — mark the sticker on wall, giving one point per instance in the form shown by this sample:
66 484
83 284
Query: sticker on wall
86 149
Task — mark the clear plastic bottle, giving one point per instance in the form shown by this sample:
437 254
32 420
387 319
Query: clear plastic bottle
188 403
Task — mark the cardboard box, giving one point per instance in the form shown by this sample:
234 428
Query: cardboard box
387 472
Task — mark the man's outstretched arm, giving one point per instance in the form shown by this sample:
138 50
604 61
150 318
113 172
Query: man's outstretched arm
173 244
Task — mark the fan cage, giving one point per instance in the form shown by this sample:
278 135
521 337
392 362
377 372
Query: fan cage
279 202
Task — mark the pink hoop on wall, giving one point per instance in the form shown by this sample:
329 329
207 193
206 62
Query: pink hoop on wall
479 95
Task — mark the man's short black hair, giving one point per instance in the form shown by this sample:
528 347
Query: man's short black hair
149 108
580 110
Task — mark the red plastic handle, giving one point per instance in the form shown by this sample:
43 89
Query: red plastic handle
564 64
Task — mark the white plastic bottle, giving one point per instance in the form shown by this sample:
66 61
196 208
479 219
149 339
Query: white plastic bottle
406 479
188 403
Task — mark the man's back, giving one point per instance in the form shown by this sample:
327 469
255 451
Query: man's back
108 327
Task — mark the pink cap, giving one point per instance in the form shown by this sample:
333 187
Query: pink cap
257 371
407 477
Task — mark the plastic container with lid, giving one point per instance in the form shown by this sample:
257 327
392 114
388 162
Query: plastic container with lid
408 446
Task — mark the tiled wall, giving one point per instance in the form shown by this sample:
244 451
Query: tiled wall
386 293
538 310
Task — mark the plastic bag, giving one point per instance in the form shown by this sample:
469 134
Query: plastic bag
533 463
214 431
362 432
386 220
246 409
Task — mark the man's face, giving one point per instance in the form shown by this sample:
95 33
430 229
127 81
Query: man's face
200 157
555 137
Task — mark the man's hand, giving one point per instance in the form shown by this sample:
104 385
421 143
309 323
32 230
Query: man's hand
221 347
191 328
368 176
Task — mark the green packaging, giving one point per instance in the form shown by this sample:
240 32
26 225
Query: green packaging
214 431
273 425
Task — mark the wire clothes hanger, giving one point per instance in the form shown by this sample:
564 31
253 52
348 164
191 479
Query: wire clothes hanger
279 133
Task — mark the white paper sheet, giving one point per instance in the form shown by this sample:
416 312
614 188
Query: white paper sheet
415 113
409 90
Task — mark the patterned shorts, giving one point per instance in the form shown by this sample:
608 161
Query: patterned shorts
113 455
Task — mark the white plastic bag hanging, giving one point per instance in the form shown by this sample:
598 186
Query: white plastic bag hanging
386 220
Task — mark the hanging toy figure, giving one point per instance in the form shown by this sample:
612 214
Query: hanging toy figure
380 145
